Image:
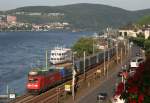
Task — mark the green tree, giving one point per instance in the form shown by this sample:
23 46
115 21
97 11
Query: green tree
141 35
139 41
147 44
84 44
144 20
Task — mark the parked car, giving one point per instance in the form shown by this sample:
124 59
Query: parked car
117 99
135 62
102 96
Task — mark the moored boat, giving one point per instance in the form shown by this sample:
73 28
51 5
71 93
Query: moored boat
60 55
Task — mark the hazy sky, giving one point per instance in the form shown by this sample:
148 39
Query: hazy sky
126 4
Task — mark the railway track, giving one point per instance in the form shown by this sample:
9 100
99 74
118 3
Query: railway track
25 99
54 98
53 94
22 98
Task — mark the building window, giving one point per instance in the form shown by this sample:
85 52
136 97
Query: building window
120 33
125 33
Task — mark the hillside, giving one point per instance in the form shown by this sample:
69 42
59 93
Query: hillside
144 20
84 16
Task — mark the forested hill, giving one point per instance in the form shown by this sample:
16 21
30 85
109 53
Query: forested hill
144 20
84 16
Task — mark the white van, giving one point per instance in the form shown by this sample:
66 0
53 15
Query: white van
135 62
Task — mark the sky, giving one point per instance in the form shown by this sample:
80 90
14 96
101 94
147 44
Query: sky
125 4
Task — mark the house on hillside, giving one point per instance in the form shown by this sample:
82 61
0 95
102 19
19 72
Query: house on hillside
127 32
146 33
132 32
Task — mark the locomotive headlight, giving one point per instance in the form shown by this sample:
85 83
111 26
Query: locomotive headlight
29 85
35 85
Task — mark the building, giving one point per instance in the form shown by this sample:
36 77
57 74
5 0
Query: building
11 19
1 18
55 14
134 33
127 32
35 14
147 33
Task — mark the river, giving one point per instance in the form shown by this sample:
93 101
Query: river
20 51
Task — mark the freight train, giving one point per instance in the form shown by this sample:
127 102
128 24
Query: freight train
42 79
94 60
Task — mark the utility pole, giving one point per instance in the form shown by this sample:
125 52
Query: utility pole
122 79
117 52
108 52
73 78
128 48
46 59
73 84
121 56
104 62
84 66
93 47
108 62
125 47
7 89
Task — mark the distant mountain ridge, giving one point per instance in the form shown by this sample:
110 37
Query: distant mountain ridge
84 16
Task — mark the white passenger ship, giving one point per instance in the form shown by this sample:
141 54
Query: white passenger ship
60 55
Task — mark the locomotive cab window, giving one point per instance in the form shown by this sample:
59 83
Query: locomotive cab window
33 80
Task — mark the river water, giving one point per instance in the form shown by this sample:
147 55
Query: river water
20 51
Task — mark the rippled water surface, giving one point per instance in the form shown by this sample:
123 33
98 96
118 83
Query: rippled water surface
19 51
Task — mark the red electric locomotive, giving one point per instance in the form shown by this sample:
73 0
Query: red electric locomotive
39 80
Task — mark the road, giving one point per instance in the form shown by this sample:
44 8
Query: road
107 84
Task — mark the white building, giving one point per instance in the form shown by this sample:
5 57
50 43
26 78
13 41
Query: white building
147 33
133 33
127 32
